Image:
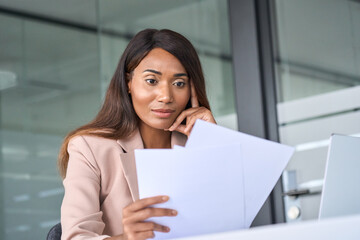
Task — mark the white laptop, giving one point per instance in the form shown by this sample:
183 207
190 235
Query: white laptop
341 189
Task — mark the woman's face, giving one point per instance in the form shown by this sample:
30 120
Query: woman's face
159 88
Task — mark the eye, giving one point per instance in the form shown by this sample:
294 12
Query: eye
151 81
179 84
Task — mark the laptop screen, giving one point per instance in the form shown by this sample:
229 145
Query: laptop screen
341 189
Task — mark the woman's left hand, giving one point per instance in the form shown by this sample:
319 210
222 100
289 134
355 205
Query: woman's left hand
191 115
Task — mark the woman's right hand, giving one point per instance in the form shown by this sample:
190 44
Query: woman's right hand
135 214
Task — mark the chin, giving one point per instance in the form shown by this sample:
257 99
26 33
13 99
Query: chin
161 124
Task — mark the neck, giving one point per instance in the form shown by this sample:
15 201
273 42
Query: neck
154 138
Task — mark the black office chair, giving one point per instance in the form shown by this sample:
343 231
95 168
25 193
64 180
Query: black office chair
54 233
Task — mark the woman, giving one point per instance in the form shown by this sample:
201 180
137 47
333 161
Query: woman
153 101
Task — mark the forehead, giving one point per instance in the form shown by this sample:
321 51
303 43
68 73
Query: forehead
161 60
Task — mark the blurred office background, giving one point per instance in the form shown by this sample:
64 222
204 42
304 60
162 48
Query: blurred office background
57 58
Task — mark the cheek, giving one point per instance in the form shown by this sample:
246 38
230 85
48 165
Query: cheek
141 99
182 100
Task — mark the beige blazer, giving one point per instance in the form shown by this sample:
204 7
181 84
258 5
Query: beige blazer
100 181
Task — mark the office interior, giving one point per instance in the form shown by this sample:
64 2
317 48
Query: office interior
284 70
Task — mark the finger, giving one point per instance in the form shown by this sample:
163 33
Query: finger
146 226
190 124
146 213
145 202
181 118
181 129
194 99
144 235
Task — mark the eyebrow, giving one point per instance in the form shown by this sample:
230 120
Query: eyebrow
153 71
159 73
180 75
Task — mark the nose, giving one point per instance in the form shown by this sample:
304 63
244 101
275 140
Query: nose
165 94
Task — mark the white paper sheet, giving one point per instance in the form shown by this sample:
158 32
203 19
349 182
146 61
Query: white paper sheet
178 147
263 160
204 184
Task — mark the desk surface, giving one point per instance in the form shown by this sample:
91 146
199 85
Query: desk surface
329 229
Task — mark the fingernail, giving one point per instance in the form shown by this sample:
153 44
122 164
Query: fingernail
173 212
165 198
167 229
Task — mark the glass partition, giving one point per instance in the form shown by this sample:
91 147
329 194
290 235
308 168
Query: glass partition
318 78
49 77
56 60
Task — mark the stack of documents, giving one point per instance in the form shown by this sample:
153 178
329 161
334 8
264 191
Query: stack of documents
217 182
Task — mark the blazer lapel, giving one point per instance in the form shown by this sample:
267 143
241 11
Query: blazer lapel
128 157
129 169
128 161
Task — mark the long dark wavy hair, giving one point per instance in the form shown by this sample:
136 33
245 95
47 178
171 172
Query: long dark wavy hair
117 118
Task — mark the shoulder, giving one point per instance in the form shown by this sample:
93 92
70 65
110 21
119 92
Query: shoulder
97 153
95 143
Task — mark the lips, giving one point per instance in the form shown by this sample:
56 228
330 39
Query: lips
163 113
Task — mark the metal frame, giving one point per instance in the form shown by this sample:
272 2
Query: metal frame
62 22
253 63
2 205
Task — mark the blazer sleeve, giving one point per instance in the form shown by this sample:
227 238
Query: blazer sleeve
81 217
